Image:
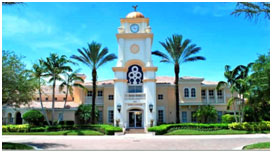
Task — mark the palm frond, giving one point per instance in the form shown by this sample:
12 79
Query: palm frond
192 59
164 57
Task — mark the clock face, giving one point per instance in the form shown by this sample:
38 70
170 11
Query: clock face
134 28
134 48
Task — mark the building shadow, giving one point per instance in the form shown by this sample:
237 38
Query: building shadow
43 145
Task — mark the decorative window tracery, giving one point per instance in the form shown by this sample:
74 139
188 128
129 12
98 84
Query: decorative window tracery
135 75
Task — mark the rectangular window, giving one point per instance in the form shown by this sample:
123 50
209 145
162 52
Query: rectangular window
46 99
186 92
211 93
160 116
100 116
193 92
60 117
89 93
110 116
219 93
203 93
110 97
184 117
56 98
160 96
100 93
219 116
135 89
193 117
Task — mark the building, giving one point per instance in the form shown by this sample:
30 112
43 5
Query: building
136 97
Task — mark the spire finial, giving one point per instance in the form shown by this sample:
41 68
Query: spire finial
135 7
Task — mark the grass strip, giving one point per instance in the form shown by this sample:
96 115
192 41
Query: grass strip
65 132
215 132
15 146
261 145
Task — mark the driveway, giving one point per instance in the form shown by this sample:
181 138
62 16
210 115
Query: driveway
139 142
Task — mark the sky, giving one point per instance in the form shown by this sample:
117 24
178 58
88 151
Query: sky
34 30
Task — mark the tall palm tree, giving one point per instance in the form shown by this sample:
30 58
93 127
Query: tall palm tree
230 76
94 57
242 85
179 52
72 80
55 66
38 72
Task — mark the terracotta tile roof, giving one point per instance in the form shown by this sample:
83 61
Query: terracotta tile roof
58 104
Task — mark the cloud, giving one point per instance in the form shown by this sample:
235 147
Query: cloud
216 9
14 25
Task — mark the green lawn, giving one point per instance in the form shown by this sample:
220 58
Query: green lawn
215 132
66 132
261 145
15 146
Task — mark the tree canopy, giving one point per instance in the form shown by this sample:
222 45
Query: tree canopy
17 86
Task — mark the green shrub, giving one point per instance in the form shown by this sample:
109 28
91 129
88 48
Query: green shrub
227 118
15 128
162 129
33 117
68 122
251 126
38 129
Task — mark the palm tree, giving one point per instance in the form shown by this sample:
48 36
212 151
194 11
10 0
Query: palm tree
56 65
241 84
38 72
230 76
252 9
179 52
73 80
94 57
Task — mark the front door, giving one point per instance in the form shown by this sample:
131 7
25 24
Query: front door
135 119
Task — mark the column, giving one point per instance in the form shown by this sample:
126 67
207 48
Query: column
148 52
224 96
215 92
120 61
207 96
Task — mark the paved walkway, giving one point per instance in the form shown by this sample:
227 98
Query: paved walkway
140 142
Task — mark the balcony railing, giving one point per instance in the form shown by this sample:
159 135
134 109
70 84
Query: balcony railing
98 100
220 99
212 99
204 99
135 96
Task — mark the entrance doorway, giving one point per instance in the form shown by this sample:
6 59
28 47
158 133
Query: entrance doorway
18 118
135 118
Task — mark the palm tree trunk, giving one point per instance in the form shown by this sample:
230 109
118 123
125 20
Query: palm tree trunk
94 95
242 109
177 91
234 109
53 101
66 95
40 94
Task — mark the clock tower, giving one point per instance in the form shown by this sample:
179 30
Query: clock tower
135 75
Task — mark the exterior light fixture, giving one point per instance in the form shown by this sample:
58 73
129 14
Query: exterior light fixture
119 108
151 107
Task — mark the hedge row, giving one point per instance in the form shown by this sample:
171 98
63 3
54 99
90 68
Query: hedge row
103 128
258 126
162 129
251 126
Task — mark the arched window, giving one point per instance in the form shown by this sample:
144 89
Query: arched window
193 92
135 79
186 92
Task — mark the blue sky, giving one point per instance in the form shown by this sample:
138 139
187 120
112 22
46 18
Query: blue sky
35 30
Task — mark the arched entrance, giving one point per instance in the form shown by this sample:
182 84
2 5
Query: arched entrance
18 118
135 118
9 121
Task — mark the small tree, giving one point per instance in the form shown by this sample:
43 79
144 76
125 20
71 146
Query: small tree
206 114
34 117
84 113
